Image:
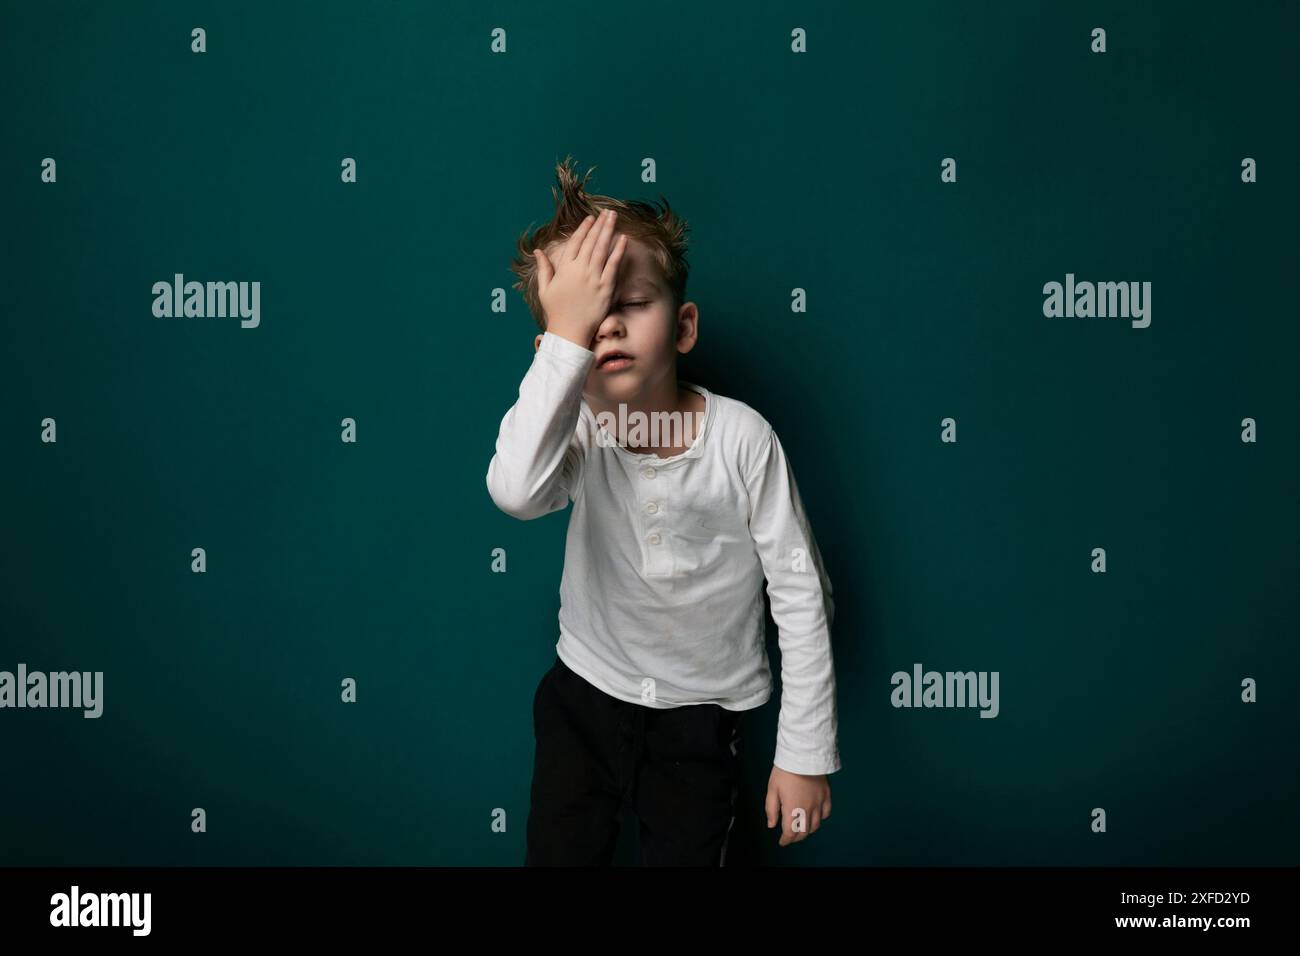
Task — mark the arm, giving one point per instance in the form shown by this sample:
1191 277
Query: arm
539 459
538 463
803 608
798 793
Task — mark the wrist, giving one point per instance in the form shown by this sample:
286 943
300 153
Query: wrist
569 334
570 353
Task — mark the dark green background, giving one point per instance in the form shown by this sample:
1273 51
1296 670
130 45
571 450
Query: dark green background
818 171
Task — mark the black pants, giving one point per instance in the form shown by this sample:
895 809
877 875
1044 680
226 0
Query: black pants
679 769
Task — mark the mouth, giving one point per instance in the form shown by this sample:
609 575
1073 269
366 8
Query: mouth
613 361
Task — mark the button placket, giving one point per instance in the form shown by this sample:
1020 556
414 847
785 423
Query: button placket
658 558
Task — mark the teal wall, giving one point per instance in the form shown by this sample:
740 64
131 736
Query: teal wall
818 171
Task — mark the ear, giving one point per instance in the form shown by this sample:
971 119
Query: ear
688 327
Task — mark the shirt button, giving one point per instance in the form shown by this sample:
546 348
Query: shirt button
654 537
651 508
647 472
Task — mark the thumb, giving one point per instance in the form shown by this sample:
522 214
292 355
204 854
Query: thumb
773 807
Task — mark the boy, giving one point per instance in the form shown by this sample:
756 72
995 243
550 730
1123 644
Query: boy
661 645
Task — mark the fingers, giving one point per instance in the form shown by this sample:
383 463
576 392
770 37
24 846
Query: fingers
595 245
797 824
574 245
605 236
611 265
788 833
589 243
545 271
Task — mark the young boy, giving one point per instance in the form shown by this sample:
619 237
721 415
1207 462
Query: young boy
661 646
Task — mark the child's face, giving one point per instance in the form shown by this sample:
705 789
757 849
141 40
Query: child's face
642 324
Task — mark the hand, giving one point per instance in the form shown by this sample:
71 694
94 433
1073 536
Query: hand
801 801
576 290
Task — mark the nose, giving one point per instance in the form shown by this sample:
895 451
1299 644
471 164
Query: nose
611 325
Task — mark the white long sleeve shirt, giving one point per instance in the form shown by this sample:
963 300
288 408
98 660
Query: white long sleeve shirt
661 598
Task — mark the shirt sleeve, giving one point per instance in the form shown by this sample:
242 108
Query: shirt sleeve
803 609
539 456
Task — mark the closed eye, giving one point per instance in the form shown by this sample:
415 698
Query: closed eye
638 303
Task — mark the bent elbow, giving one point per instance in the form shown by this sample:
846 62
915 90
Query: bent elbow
513 503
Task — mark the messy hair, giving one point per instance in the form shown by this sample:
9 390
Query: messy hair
657 226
